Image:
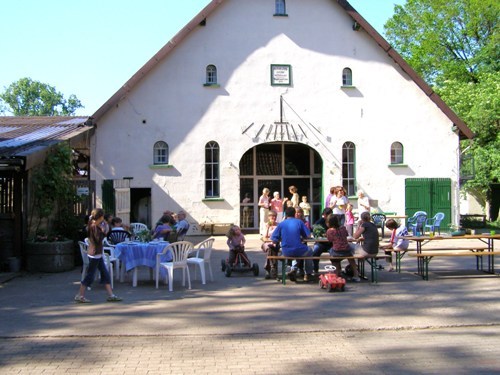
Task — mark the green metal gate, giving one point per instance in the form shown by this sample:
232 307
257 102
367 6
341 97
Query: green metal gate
431 195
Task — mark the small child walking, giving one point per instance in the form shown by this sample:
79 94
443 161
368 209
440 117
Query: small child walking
307 209
236 242
349 219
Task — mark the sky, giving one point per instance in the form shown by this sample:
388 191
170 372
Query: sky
90 48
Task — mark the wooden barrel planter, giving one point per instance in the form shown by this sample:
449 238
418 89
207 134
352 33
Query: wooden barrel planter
50 256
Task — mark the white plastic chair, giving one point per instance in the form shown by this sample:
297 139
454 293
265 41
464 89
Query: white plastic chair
180 251
138 227
202 258
110 249
85 259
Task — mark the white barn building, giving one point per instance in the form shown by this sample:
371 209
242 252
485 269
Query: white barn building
268 93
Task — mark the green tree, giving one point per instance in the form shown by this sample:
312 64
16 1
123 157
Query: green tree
455 46
54 194
32 98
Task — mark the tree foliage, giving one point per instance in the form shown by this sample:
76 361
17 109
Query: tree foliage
455 46
26 97
53 192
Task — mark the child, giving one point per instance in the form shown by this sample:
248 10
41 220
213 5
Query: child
288 203
277 206
270 248
349 219
299 214
236 242
307 208
397 241
295 197
337 235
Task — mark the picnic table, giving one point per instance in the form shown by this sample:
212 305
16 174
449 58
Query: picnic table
477 245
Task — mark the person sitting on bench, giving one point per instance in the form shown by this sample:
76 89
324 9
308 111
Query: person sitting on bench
369 231
337 235
397 242
290 232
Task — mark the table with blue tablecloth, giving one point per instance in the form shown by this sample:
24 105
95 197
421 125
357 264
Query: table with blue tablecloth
133 254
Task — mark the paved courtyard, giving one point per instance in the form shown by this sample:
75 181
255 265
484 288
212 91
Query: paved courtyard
249 325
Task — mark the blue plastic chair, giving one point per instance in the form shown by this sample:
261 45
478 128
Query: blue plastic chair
417 225
411 220
434 223
379 221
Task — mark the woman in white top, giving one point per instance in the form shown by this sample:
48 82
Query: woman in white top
338 204
264 202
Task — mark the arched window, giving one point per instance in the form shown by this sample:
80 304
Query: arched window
396 153
160 153
347 77
211 75
280 8
212 164
349 167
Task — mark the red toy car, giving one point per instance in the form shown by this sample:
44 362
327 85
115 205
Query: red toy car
331 281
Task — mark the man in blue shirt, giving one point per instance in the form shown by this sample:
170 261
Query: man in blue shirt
290 232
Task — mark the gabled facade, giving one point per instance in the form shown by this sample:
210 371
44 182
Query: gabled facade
266 93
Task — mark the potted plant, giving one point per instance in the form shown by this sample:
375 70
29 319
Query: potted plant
52 226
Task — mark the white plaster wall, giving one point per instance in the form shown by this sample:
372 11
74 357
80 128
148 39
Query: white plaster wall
243 39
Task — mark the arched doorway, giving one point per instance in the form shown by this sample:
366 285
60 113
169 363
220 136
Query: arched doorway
277 166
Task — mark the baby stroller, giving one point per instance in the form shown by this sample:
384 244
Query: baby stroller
241 264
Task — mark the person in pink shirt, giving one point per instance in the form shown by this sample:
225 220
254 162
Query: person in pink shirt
349 219
277 206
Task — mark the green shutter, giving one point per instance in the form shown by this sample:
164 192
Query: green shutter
108 196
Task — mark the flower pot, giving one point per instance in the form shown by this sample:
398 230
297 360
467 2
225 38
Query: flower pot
50 256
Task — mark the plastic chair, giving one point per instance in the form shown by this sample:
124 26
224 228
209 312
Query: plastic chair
379 221
411 220
417 227
434 223
119 235
180 251
182 233
85 259
201 260
110 249
138 227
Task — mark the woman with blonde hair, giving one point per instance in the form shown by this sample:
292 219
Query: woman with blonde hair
264 203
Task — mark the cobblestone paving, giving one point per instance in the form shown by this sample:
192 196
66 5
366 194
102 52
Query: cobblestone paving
248 325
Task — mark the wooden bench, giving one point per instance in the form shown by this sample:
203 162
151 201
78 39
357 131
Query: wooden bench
360 259
400 253
473 251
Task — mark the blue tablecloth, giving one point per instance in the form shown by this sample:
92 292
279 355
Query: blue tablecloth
134 254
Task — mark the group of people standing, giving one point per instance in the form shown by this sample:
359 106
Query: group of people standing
278 205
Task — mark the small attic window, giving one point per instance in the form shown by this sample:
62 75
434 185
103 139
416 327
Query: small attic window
211 76
280 8
347 77
396 153
160 153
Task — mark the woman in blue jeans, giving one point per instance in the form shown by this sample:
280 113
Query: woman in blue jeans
95 231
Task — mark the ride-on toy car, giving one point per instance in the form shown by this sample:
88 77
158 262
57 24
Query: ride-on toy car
331 281
241 264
